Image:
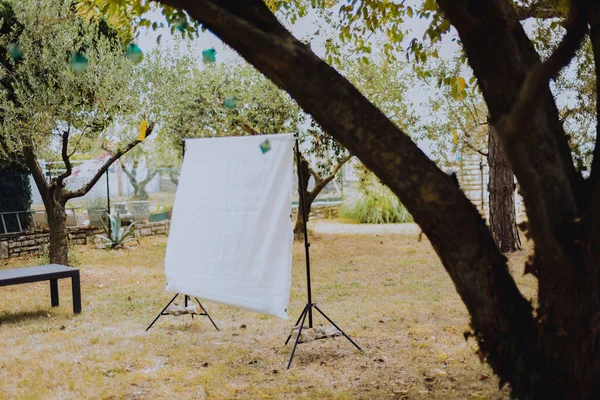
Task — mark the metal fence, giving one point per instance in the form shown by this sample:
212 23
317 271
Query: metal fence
13 222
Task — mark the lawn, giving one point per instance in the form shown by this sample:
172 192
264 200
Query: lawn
389 292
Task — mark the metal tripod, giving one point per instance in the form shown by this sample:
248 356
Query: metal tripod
187 299
308 308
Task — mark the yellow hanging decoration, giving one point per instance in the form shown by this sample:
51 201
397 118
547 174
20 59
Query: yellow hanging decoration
142 133
454 136
462 84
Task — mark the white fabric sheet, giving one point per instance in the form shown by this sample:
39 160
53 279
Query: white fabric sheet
231 235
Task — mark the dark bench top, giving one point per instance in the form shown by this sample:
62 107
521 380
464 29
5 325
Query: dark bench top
34 274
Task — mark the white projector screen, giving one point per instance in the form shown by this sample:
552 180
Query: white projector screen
231 235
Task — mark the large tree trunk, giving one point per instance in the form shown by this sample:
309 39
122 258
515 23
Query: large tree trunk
501 186
552 355
59 236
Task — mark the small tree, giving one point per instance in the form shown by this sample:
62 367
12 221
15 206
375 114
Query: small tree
130 164
53 108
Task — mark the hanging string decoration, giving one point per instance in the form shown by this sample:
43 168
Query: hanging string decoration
79 62
134 53
230 102
209 56
15 51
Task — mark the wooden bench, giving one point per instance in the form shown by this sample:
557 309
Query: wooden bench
52 273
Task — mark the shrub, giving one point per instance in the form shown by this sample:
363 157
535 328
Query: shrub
374 203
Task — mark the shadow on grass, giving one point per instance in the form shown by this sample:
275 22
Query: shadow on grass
14 318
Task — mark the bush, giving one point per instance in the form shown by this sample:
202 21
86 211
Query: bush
374 203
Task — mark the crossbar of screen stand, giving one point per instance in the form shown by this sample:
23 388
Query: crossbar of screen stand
187 299
308 308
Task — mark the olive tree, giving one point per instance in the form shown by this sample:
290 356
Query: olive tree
66 84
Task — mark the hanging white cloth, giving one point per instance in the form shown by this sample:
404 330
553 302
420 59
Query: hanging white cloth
231 236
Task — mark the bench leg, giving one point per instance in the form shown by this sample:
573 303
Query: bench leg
76 293
54 292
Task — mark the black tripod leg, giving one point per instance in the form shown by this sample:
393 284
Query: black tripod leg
161 313
297 322
338 328
298 337
206 312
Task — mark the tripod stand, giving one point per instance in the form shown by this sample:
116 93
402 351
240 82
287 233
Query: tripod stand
308 308
187 299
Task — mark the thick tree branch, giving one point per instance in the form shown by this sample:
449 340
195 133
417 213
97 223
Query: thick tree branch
36 172
509 72
86 188
152 172
321 182
314 173
538 77
511 128
500 314
65 157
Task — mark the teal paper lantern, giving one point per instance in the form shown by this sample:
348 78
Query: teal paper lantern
134 53
265 146
209 56
230 102
78 62
15 51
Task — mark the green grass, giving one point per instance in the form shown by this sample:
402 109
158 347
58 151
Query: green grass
392 296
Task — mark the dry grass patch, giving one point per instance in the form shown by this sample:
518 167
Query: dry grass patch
389 293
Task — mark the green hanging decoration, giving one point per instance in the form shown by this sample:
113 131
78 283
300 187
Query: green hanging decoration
181 25
265 146
78 62
230 102
15 51
209 56
134 53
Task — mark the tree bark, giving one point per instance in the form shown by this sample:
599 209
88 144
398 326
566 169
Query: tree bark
59 236
501 186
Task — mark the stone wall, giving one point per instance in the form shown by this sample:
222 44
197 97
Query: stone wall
17 244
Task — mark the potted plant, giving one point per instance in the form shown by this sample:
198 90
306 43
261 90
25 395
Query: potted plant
96 211
140 209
